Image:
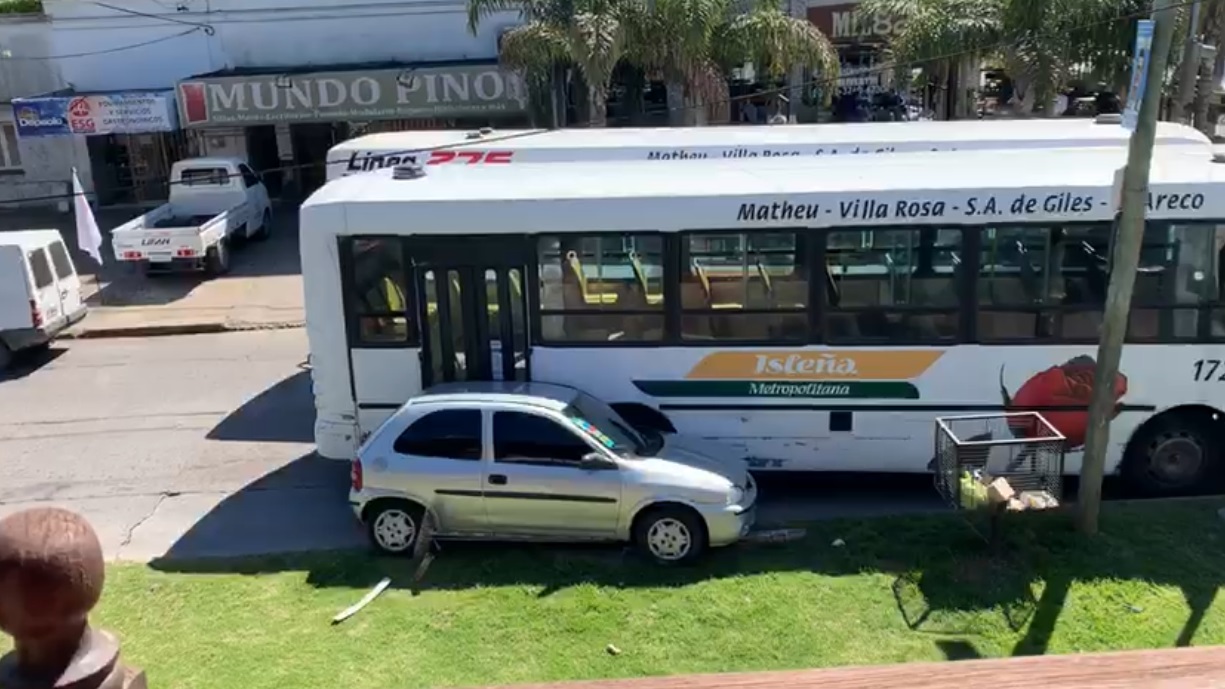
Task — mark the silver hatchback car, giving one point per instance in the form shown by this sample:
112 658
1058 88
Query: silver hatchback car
534 461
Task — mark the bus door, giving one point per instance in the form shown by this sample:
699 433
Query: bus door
473 305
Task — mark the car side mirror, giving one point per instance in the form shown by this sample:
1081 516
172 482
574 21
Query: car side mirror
594 461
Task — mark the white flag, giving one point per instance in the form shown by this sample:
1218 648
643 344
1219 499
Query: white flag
88 236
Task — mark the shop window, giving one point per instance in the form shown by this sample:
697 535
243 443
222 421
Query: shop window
743 286
379 296
601 288
891 285
10 151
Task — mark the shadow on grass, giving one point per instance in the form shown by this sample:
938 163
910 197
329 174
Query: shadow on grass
941 568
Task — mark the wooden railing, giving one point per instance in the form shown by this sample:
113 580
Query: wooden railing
1185 668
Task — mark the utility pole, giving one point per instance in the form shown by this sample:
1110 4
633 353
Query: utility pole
1188 69
1125 257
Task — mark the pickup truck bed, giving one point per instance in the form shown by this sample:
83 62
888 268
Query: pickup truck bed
182 221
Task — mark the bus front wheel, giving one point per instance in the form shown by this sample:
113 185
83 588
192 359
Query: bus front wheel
1177 453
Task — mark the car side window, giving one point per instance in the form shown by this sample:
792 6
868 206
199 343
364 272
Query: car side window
529 439
249 178
446 434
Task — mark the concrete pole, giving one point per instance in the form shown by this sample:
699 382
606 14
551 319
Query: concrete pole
1188 69
1125 258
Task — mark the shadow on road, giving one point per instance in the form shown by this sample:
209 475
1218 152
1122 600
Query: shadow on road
29 361
284 413
301 506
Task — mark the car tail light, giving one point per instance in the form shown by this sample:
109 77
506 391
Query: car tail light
132 255
36 316
355 474
185 253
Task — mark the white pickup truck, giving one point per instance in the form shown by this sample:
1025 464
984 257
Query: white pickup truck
214 203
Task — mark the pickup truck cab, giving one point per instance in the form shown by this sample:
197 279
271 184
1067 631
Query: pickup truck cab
40 292
214 204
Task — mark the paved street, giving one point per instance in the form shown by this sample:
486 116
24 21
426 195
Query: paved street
197 445
201 446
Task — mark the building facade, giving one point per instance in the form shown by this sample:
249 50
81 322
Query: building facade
122 90
40 168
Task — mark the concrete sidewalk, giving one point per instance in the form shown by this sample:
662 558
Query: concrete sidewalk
217 305
262 291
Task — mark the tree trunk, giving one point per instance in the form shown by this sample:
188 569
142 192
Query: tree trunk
675 91
1206 93
597 105
1214 34
635 92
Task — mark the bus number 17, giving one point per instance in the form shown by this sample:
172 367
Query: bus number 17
469 157
1207 370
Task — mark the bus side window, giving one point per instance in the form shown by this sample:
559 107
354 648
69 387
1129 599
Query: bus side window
743 286
379 297
892 285
601 288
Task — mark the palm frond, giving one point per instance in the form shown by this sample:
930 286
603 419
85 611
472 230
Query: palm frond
533 46
595 43
775 41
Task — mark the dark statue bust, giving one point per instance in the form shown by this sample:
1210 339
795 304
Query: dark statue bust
51 575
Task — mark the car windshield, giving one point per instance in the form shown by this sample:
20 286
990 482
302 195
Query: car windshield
602 422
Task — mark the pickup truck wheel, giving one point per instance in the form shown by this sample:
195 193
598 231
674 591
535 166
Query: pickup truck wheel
265 228
217 259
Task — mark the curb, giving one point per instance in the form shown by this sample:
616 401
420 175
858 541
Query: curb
173 329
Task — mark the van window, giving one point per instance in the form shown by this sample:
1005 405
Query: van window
205 176
40 268
59 257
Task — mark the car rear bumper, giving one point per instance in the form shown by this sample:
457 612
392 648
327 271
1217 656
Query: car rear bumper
24 338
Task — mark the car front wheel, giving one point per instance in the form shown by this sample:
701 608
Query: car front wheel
671 535
393 527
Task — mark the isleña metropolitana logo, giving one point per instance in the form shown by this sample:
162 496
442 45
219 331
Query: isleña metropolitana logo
818 374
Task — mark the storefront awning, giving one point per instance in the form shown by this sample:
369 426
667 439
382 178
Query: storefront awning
66 112
349 93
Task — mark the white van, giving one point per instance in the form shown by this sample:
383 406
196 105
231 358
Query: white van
40 292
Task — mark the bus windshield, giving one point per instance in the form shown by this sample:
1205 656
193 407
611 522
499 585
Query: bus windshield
602 422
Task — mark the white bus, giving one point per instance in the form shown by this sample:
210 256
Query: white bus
488 147
817 314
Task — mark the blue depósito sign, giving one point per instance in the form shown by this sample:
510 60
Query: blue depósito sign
41 116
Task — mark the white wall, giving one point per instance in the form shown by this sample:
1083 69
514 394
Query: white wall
46 162
255 33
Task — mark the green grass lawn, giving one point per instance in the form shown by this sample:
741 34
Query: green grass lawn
903 589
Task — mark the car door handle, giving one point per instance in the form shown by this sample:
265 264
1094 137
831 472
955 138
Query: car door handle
497 479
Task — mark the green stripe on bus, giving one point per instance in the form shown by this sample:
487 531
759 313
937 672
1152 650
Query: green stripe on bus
892 390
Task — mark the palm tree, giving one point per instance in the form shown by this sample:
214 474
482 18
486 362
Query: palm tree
587 34
1214 33
1042 44
672 41
773 42
690 45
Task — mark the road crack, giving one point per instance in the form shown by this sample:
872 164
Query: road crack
127 535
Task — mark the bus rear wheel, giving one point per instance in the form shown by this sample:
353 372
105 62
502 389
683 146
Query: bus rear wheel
1175 454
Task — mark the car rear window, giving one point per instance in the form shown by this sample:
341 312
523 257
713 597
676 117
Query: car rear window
205 176
41 268
59 257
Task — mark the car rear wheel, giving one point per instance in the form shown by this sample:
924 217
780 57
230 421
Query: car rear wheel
217 258
393 526
671 535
